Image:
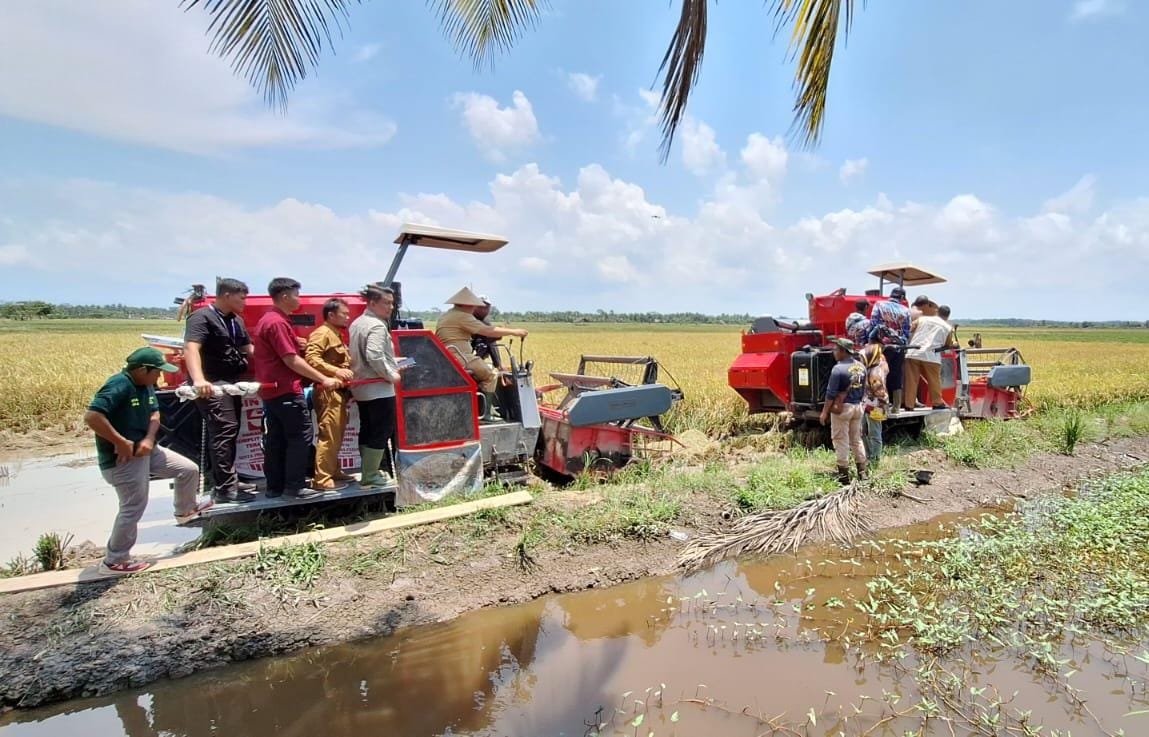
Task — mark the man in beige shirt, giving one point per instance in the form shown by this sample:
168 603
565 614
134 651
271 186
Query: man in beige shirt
328 355
456 327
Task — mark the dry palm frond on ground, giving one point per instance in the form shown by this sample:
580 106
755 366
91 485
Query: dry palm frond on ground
834 517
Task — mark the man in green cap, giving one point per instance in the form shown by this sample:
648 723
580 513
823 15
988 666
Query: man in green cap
125 417
843 409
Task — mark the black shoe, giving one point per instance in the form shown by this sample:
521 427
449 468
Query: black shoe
234 497
244 486
273 494
304 493
389 502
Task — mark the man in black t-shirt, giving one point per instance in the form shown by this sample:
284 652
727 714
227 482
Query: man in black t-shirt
217 348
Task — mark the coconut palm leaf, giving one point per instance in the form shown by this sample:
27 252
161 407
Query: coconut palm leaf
813 37
272 43
479 27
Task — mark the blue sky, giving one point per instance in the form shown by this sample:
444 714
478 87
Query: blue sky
999 143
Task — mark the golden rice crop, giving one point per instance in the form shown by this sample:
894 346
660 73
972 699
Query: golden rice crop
49 370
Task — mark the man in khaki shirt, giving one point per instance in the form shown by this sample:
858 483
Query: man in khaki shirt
456 327
326 354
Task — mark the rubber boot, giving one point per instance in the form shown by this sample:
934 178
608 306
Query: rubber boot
369 460
896 401
863 470
844 475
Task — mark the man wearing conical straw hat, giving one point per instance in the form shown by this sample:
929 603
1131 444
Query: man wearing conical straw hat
456 328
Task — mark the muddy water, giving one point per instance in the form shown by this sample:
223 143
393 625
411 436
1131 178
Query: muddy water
700 655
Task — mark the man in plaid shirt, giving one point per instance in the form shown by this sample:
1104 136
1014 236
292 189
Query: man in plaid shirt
890 326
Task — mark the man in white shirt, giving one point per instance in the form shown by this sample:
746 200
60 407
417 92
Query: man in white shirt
923 360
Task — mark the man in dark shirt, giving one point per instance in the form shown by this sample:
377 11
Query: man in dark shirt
217 349
843 409
890 326
280 367
125 417
484 346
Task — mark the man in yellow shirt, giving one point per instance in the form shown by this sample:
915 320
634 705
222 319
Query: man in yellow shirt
456 328
328 355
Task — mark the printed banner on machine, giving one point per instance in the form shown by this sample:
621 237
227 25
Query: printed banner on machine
249 446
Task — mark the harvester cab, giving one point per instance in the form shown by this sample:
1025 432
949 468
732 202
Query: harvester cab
785 365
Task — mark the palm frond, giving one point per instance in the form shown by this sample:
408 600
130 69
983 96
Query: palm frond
813 38
272 43
479 27
679 69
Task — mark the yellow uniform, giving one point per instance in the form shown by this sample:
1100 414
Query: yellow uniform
326 354
455 329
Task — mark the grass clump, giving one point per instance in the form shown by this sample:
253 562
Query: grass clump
631 512
988 444
296 565
51 550
786 480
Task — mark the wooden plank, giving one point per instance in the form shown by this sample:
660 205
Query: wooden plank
242 550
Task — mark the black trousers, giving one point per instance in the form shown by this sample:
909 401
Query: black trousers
286 442
222 415
377 428
896 360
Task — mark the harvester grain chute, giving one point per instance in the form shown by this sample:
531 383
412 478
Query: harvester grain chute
444 445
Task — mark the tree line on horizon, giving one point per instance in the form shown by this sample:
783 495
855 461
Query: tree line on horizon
42 310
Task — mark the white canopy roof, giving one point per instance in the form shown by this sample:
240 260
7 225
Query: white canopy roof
453 240
906 273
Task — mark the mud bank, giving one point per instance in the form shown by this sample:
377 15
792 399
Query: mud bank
98 638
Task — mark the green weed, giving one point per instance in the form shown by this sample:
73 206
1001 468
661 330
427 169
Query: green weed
298 565
51 550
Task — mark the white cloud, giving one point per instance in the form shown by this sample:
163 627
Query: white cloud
596 242
367 52
139 71
766 158
701 153
852 169
583 85
533 264
498 131
1087 10
1078 199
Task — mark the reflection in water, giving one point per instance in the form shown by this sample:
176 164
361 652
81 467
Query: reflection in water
756 638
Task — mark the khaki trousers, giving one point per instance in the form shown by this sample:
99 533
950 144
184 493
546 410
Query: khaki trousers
916 371
331 421
846 433
485 376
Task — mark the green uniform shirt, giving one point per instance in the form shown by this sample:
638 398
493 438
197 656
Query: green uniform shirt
128 408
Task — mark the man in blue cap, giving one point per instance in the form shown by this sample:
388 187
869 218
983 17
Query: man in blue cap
125 416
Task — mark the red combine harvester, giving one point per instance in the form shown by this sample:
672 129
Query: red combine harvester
444 447
785 364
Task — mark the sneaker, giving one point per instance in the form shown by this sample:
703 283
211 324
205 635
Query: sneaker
245 486
345 477
125 567
304 493
332 486
941 406
234 497
183 519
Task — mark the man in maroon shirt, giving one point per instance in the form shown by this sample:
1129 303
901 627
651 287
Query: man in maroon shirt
280 367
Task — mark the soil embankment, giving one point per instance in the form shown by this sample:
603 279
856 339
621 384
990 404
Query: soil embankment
97 638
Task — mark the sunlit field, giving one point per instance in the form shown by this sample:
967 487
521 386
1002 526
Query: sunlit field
50 368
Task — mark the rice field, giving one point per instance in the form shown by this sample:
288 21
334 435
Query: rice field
49 369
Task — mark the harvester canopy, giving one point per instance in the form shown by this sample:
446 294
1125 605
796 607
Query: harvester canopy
454 240
906 275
